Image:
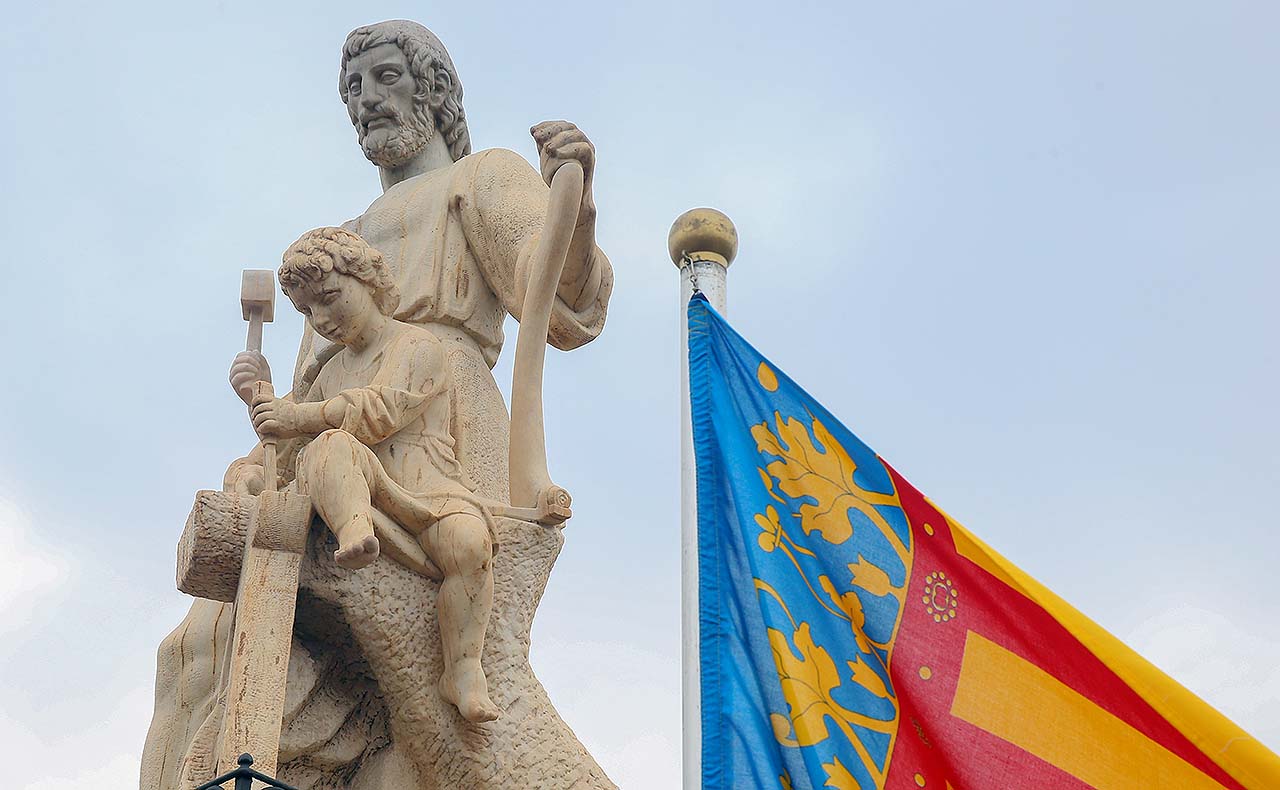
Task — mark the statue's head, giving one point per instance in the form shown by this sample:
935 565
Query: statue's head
337 279
400 89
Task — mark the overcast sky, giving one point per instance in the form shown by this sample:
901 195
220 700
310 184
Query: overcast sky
1026 251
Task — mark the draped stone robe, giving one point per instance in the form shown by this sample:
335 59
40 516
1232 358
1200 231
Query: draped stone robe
454 239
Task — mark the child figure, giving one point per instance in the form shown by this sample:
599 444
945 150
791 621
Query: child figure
379 412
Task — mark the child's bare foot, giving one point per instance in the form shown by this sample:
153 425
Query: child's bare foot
357 545
464 686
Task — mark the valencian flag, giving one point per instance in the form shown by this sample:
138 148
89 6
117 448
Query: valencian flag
854 636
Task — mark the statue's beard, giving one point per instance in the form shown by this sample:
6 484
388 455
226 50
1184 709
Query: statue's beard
395 145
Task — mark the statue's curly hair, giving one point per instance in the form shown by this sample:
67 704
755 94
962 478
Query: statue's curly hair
429 61
323 250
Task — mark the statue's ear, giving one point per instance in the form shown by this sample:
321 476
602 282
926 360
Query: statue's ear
441 87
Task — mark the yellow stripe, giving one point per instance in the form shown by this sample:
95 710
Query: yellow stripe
1234 750
1011 698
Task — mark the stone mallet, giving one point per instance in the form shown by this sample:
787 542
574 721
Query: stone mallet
258 306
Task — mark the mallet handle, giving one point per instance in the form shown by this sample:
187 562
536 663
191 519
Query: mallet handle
254 340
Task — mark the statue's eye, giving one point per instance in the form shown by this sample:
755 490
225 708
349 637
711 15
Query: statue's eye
389 77
353 87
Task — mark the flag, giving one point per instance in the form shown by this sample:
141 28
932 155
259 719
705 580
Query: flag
853 636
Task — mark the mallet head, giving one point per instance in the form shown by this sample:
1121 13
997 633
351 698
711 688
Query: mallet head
258 291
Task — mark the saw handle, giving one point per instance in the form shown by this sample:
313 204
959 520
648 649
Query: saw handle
527 451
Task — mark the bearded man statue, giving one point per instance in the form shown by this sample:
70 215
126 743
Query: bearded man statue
457 231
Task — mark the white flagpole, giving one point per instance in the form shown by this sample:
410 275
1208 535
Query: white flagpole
702 243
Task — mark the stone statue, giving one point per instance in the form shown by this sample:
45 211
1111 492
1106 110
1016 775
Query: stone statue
379 414
409 659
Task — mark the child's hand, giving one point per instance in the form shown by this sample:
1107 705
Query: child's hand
248 367
275 418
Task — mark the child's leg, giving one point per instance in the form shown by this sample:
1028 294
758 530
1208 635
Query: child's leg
334 471
460 546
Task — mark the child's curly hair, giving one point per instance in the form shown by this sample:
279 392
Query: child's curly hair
323 250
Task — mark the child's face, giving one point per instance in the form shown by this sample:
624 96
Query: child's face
338 307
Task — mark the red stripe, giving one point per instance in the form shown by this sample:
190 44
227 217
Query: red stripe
943 748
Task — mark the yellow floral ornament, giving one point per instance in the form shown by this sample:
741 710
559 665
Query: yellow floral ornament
826 474
838 777
811 480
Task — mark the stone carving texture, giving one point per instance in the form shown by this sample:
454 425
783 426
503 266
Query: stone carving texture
362 709
528 746
212 545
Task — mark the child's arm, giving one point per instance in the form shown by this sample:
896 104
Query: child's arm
402 390
280 418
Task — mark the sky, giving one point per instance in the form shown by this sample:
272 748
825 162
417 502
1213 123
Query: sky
1025 251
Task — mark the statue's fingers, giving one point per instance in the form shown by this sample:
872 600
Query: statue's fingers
582 153
243 374
548 129
561 139
249 361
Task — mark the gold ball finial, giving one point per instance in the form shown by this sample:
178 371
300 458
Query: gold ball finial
705 231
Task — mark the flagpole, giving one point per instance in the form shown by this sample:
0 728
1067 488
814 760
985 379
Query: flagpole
702 243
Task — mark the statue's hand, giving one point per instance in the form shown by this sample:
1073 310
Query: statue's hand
274 418
244 477
560 142
246 368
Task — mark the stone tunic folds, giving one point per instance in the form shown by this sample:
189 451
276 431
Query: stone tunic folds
397 405
454 239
